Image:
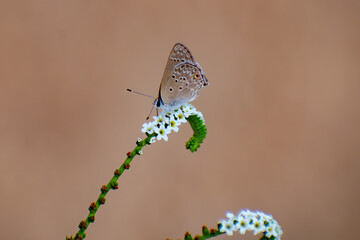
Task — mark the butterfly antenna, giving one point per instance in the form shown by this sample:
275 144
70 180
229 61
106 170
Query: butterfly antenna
140 93
145 96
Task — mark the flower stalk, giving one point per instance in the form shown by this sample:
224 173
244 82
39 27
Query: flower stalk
112 184
158 129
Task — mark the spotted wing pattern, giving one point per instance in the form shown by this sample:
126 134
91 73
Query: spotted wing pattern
182 79
183 84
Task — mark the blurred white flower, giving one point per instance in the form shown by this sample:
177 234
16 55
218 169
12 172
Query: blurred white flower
247 220
227 226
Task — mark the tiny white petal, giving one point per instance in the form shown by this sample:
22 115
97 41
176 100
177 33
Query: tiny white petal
152 140
230 215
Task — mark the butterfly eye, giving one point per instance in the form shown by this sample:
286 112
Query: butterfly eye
171 89
180 88
173 76
197 75
176 80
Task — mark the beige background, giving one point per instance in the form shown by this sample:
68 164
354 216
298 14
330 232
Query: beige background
282 112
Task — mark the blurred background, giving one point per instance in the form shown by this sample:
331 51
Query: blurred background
282 112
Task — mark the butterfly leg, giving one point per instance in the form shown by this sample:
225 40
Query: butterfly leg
150 112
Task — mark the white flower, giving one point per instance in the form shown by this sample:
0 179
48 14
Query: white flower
247 220
227 226
247 213
278 230
270 231
200 115
162 132
187 110
148 128
258 226
243 224
173 124
180 116
230 215
159 119
265 217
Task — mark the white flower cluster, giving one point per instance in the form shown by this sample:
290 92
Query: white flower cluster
248 220
169 121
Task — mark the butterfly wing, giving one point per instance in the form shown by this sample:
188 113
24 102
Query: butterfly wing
183 84
178 54
182 78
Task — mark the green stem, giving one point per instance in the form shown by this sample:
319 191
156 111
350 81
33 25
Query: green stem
199 128
206 234
112 184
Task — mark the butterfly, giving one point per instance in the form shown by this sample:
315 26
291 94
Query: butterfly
182 79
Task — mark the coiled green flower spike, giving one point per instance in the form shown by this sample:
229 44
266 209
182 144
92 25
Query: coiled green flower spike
200 131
